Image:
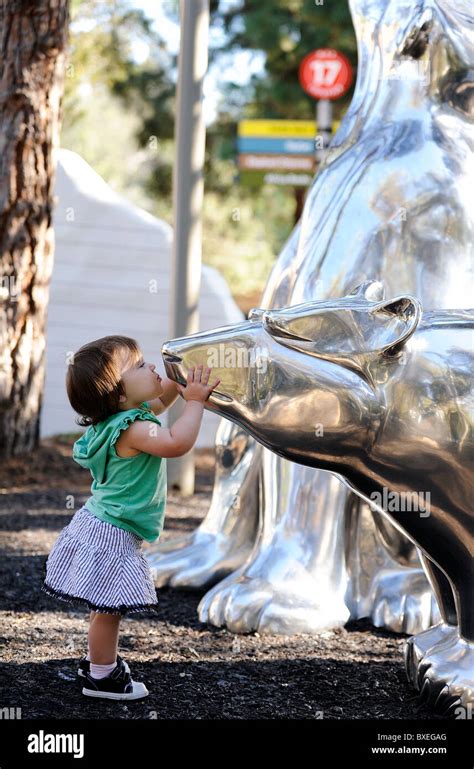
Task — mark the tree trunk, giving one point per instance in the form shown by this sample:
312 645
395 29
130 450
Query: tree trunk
33 35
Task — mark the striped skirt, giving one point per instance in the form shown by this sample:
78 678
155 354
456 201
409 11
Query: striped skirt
102 566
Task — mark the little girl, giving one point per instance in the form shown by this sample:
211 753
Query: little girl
97 559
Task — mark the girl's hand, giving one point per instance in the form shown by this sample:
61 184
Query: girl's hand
197 387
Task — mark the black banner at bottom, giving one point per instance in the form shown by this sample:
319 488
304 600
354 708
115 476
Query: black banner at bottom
90 743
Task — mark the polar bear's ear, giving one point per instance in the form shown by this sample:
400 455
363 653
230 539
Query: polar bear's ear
396 320
372 290
342 331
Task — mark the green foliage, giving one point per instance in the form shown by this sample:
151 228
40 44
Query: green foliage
286 31
115 110
250 228
119 113
105 136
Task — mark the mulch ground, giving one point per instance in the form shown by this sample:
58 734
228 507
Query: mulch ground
192 670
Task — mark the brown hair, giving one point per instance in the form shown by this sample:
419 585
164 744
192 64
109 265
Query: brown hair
93 379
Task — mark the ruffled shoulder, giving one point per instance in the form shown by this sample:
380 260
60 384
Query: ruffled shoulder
145 414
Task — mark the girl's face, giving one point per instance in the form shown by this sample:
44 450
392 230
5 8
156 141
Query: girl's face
140 381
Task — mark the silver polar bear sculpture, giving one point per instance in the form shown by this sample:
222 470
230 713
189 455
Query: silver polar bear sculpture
287 547
382 396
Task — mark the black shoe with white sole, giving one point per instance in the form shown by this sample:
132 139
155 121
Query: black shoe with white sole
116 686
85 666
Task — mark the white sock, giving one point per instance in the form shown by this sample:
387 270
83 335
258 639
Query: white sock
102 671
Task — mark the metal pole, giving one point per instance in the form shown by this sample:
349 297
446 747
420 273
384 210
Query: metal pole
188 192
324 126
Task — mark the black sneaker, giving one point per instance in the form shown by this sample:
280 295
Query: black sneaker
85 666
116 686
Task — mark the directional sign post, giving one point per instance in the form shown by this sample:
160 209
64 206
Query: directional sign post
276 152
325 74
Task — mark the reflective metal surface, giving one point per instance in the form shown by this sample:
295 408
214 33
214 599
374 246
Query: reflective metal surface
377 392
391 203
224 539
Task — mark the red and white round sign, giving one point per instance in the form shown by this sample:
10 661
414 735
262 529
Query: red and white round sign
325 74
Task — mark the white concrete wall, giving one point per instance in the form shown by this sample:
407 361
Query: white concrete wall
108 253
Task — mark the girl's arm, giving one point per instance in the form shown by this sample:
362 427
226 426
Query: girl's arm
180 438
167 398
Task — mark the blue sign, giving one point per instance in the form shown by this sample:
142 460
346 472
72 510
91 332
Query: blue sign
278 146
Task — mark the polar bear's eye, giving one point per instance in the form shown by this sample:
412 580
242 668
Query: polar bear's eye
279 328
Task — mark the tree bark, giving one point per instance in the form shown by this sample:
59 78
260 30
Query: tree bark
33 38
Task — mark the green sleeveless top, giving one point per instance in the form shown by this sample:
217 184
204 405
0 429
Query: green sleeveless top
129 492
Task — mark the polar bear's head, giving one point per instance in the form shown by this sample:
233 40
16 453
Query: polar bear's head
285 371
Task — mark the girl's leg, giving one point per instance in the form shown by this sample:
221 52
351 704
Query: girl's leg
103 638
92 615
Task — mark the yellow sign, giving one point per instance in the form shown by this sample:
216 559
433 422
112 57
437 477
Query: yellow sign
301 129
278 128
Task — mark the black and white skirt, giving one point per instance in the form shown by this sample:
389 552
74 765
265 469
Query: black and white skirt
101 566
